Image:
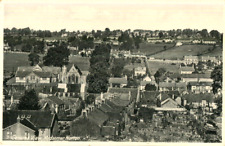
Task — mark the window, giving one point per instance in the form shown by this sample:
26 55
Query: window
32 77
27 135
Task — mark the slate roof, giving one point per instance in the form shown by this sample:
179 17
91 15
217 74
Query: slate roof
108 131
76 67
133 91
207 75
187 68
118 80
190 57
198 97
40 119
98 117
172 84
56 100
200 83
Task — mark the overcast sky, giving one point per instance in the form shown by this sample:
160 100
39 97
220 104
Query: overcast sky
121 14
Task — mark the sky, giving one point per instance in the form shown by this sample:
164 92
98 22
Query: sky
118 14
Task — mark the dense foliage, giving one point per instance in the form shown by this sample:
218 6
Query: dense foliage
99 69
29 101
57 56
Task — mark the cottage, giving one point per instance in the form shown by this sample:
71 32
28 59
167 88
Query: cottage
53 103
29 125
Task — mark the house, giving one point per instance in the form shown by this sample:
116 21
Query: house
187 69
191 59
29 125
204 100
200 87
208 58
93 119
196 77
144 83
48 79
167 86
53 103
118 82
140 71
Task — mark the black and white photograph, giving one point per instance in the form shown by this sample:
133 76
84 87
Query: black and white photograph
112 71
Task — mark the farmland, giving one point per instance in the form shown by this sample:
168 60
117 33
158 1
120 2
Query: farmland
150 49
154 66
181 51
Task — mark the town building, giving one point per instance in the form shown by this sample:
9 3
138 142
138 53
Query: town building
191 59
29 125
200 87
118 82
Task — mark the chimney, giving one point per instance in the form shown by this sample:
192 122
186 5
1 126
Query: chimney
18 119
102 96
12 99
185 102
160 96
129 96
173 96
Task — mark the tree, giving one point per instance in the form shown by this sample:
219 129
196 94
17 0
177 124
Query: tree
150 87
160 34
57 56
90 99
159 73
215 34
29 101
217 77
33 58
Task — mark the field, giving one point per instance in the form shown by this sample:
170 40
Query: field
13 60
154 66
150 49
180 52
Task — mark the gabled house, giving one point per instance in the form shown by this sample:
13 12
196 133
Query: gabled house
29 125
118 82
54 104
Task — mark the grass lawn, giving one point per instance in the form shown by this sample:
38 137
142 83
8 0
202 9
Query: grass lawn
150 49
13 60
154 66
82 62
180 52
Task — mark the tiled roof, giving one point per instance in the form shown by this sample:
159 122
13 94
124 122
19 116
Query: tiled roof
144 83
198 97
118 80
41 119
